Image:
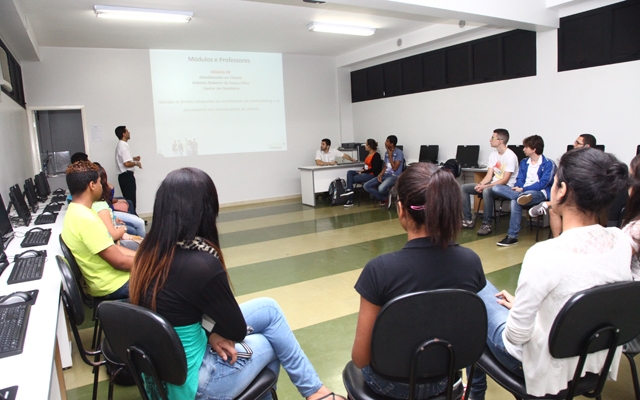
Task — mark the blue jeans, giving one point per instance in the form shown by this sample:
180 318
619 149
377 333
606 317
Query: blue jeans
120 294
355 177
399 390
135 224
496 322
380 190
468 189
272 344
516 209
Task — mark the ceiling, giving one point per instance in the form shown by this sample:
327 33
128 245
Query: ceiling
277 26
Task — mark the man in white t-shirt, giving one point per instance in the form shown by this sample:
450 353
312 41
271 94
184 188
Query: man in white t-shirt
327 156
125 165
502 169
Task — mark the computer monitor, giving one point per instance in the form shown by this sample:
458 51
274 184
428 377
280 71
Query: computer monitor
6 230
519 150
638 150
41 187
467 156
17 199
598 146
429 153
30 194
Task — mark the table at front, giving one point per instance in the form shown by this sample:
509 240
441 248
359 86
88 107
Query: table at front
316 179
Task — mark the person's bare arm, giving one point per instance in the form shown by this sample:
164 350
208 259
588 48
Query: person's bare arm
115 232
118 257
361 351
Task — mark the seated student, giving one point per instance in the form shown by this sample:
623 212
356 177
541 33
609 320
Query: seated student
180 273
372 167
391 170
134 224
632 216
533 185
502 169
105 266
429 202
118 231
585 255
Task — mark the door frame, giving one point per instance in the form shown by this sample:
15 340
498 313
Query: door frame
33 133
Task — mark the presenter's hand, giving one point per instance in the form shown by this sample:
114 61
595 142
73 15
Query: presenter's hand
505 299
225 348
139 165
136 158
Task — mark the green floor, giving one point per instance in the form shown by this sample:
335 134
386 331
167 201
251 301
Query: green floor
289 233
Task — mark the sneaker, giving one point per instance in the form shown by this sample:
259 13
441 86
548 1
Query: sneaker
348 192
524 199
539 209
349 203
507 241
468 224
383 203
484 230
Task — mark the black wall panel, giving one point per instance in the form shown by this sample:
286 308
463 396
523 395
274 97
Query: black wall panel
392 73
458 65
375 82
434 70
359 85
626 31
412 74
519 49
487 59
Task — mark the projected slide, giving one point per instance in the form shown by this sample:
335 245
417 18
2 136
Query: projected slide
217 102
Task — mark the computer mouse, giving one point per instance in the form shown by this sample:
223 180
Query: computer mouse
16 297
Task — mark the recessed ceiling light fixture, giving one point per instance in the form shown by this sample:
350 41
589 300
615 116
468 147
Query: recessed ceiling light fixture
343 29
142 14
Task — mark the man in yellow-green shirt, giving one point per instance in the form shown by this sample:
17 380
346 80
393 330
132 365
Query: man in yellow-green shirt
104 265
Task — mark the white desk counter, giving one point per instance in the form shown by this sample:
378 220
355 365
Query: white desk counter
316 179
34 371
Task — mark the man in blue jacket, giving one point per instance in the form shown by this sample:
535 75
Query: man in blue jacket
532 186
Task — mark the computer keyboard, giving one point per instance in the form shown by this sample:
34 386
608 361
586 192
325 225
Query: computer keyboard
27 269
53 207
36 237
44 219
13 327
59 198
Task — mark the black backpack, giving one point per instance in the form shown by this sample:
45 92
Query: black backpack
337 187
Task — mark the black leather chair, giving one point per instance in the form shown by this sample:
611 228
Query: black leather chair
600 318
86 298
73 305
147 343
417 339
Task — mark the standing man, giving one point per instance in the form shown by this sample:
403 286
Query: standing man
391 170
533 185
126 164
327 156
501 170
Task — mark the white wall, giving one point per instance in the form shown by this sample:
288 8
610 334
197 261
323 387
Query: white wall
14 144
114 86
603 101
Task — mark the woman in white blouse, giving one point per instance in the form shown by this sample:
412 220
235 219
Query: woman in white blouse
585 255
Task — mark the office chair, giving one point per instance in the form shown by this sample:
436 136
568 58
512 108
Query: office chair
518 150
89 301
600 318
73 305
151 346
407 346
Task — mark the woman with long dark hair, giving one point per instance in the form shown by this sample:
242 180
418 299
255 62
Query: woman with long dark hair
585 255
372 167
179 272
632 216
429 204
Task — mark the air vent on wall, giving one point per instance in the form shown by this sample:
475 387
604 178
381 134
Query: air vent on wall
5 76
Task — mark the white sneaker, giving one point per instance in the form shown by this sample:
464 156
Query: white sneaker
347 193
539 209
349 203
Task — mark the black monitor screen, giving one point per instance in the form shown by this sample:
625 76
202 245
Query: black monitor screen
5 222
17 199
30 193
41 187
519 150
429 153
467 156
598 146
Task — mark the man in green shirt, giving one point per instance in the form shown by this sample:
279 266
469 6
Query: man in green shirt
104 265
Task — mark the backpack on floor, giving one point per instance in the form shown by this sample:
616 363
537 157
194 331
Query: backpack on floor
337 187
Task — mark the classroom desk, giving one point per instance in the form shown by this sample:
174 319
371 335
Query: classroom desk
35 372
478 174
316 179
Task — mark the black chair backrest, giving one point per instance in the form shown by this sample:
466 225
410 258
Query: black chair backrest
75 270
638 150
408 321
454 166
429 153
146 340
519 150
589 310
71 297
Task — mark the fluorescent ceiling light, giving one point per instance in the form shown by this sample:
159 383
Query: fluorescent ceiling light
343 29
144 14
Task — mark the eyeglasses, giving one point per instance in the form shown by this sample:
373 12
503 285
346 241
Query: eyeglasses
494 138
576 143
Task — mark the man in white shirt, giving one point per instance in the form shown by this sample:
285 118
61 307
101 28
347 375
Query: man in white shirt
502 169
327 156
125 165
